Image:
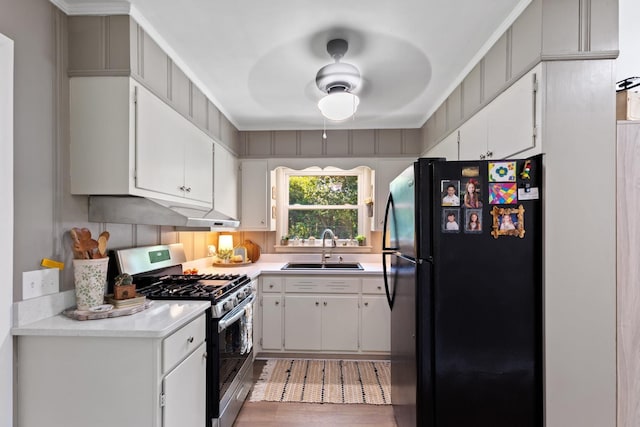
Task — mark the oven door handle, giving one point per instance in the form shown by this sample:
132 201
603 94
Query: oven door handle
234 314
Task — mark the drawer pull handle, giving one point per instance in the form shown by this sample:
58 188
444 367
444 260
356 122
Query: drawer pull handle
271 286
317 303
190 340
277 302
324 303
379 288
366 304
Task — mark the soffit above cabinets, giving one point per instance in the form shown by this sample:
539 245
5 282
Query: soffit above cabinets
257 60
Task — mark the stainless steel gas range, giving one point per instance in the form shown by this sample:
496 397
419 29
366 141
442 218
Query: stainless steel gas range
158 274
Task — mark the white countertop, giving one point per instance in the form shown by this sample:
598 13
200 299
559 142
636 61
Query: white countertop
158 321
269 265
163 317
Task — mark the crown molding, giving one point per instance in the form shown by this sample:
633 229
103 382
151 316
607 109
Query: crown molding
93 8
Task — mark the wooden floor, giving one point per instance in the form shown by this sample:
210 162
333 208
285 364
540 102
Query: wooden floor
272 414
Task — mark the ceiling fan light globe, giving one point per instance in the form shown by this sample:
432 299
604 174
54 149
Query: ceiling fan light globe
338 106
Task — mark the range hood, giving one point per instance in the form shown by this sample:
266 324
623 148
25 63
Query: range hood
140 210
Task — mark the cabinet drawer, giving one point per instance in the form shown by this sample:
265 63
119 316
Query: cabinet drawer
271 284
334 285
373 286
182 342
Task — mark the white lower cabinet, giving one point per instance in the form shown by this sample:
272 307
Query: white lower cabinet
340 323
376 323
181 408
272 322
376 317
105 381
324 313
302 322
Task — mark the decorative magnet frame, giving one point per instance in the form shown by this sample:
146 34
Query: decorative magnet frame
508 222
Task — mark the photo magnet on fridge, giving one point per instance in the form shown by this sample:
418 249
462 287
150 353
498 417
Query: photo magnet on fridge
473 221
449 190
508 222
472 193
451 220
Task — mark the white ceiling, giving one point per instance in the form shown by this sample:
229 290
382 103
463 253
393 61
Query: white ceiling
257 59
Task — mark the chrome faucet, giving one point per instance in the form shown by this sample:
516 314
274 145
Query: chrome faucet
333 243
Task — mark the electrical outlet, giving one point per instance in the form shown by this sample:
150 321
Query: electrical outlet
40 282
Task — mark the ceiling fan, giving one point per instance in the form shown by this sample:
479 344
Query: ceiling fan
338 80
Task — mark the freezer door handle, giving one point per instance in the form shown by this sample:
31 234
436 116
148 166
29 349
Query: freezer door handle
387 209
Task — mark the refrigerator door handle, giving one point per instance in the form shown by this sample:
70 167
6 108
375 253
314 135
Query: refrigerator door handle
386 281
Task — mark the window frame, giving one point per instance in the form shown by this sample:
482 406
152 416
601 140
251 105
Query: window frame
365 191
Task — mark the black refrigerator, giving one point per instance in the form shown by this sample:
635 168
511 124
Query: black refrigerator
462 253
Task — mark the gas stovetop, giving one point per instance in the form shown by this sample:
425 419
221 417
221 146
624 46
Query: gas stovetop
212 287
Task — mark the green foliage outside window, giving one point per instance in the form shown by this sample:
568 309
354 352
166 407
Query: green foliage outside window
320 202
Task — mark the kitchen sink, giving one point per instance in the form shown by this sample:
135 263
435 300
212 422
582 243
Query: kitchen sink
321 266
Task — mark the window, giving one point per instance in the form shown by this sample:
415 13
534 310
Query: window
316 199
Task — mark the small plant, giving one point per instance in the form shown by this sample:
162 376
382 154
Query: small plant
123 280
360 239
225 254
284 240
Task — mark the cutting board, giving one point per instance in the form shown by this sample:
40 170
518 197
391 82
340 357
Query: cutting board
253 250
116 312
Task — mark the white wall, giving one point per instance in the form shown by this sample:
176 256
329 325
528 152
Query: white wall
6 228
628 63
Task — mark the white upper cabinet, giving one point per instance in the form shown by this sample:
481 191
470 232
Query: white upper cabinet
257 196
225 182
447 148
126 141
508 126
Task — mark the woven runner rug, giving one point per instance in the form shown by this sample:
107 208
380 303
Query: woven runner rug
324 381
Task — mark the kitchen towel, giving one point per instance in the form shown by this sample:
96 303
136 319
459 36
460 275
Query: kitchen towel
324 381
246 329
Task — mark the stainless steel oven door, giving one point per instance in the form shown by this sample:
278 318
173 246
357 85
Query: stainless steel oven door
234 361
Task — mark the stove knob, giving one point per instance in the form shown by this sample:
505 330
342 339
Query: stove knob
240 295
227 305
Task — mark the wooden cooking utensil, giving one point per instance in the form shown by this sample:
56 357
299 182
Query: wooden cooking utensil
102 243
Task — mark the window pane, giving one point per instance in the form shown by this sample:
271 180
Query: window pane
307 223
323 190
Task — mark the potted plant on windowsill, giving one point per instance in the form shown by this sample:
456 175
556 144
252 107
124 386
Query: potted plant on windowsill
361 240
284 240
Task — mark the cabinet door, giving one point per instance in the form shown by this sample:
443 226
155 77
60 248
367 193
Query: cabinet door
386 171
511 118
302 322
198 166
272 322
159 148
185 391
255 195
340 323
225 183
447 148
473 137
376 324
